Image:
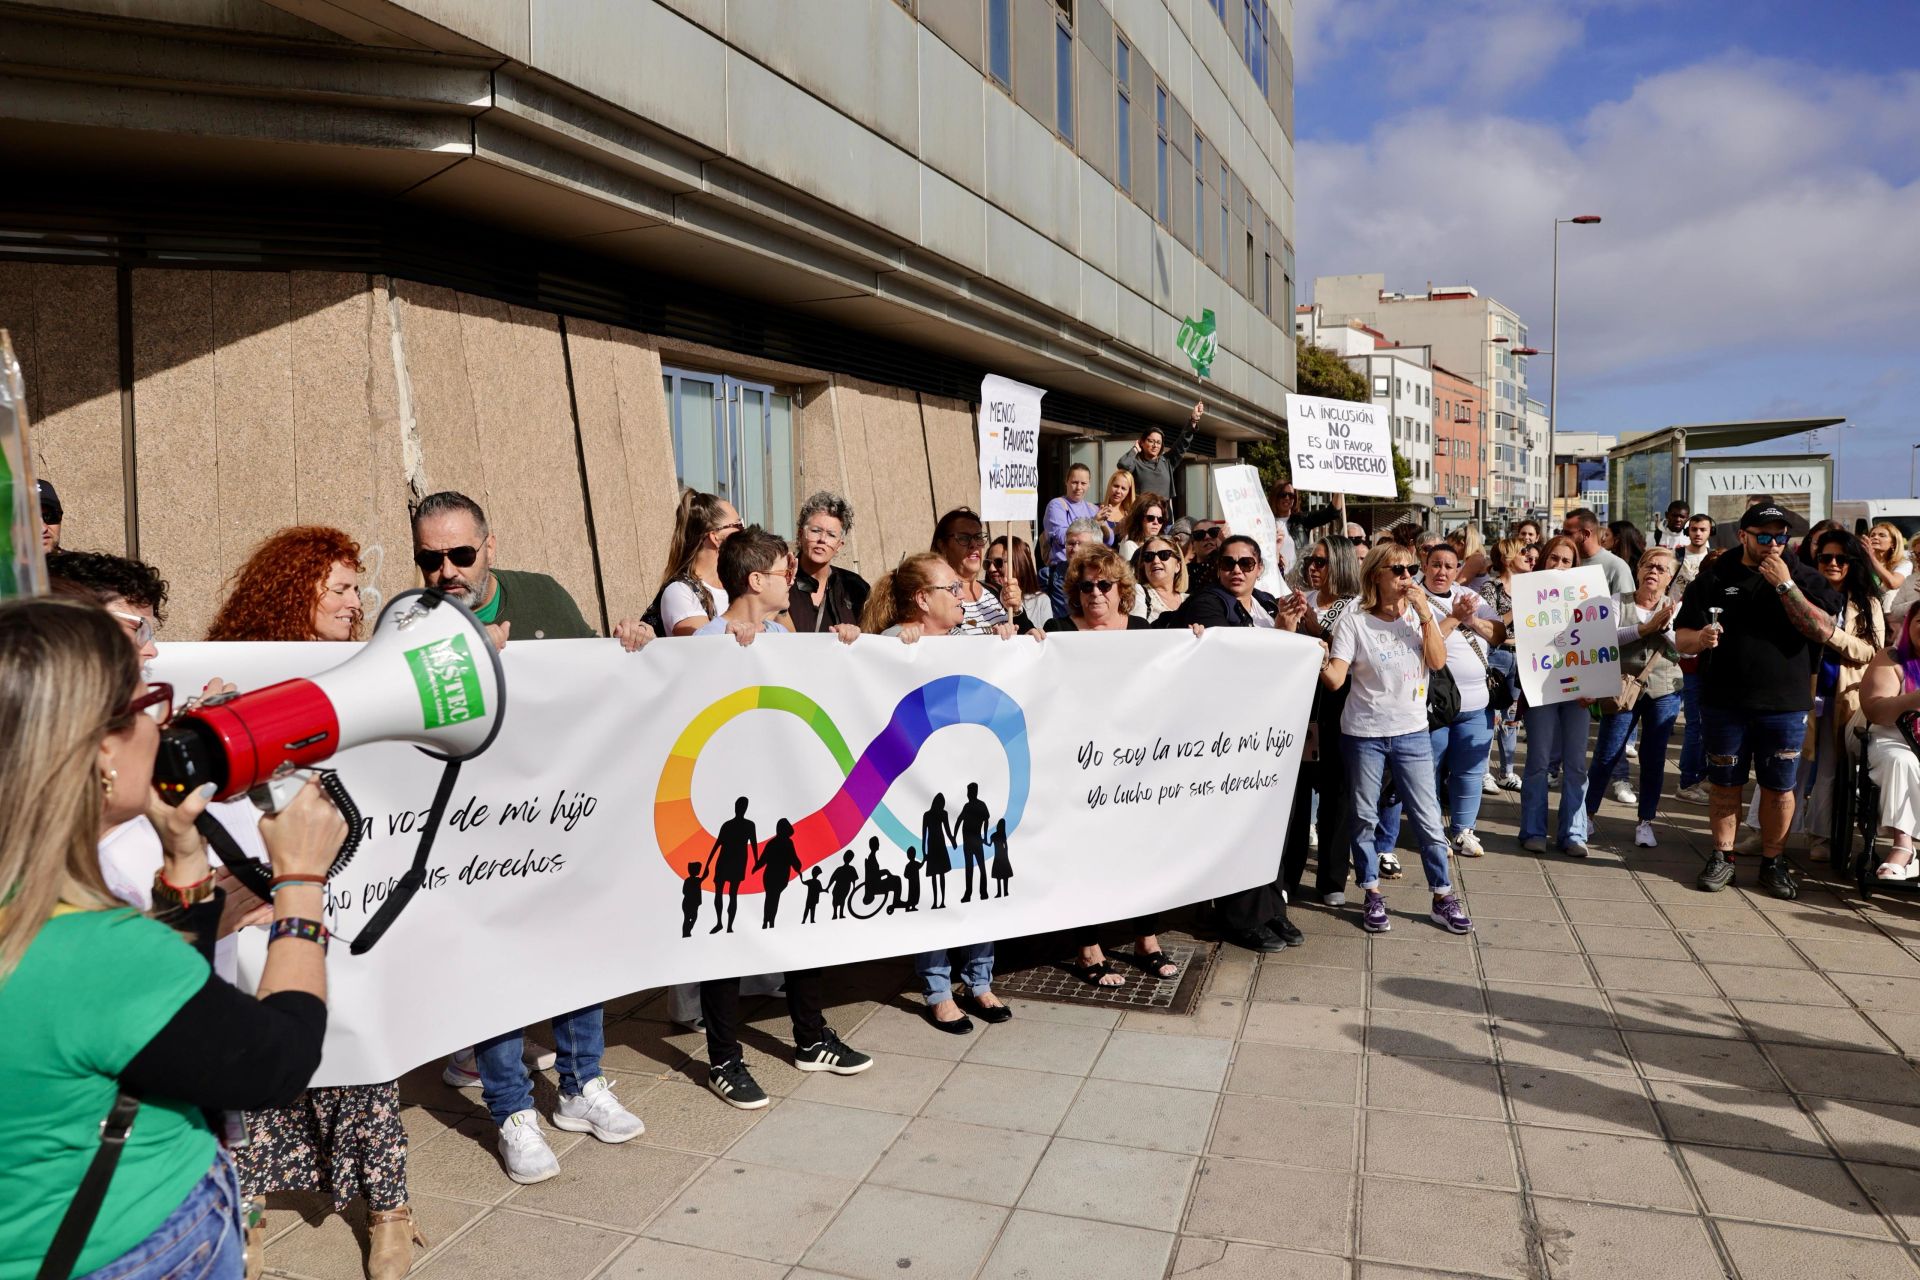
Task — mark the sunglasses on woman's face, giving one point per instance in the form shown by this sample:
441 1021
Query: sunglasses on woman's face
1089 586
1315 562
1153 517
1832 559
997 563
1245 564
462 557
1400 570
1163 554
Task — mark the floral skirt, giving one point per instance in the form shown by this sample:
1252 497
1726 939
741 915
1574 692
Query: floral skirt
345 1141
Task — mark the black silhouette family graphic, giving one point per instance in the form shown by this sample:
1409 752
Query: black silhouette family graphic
737 846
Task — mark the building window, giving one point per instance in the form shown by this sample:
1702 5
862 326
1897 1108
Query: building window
1226 189
1063 69
733 439
1286 267
1122 111
1199 197
1380 385
1266 285
1000 41
1255 22
1163 147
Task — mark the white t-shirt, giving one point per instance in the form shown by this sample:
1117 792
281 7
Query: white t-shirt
1469 672
680 602
1261 618
1386 675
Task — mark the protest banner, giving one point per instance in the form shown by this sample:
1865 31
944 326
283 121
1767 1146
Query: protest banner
590 851
1243 505
1564 626
1009 449
1340 446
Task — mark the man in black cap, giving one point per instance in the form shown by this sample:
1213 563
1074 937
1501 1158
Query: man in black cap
51 513
1759 617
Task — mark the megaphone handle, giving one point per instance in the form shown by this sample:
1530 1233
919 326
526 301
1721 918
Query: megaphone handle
257 876
415 875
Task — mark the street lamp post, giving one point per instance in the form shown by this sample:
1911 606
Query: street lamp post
1911 459
1486 393
1553 375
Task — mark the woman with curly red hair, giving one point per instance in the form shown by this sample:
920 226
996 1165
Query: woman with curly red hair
303 584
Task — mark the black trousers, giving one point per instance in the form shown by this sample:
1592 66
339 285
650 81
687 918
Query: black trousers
1328 779
720 1007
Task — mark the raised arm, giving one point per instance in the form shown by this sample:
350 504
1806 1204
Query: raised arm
1433 645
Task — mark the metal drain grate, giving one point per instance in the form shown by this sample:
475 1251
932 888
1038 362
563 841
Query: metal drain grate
1049 980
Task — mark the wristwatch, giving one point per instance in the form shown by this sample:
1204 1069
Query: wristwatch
1782 588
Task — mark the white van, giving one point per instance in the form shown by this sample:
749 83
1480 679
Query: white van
1860 515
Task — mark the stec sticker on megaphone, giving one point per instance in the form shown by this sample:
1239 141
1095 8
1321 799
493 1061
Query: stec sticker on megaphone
448 681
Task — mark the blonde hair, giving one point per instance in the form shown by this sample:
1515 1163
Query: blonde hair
1898 555
1179 562
66 673
1466 542
1385 554
892 603
1663 553
1509 550
1101 559
1120 473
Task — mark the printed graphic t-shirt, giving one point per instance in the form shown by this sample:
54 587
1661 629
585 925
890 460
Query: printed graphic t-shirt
1386 674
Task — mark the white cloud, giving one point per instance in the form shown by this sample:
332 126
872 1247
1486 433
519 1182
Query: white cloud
1748 205
1479 50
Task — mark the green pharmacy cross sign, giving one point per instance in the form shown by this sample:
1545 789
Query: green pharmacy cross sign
1198 341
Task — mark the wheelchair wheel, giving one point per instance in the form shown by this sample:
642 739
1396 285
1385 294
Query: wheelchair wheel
880 901
1841 837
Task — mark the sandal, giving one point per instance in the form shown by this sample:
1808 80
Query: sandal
1096 975
1153 963
1898 872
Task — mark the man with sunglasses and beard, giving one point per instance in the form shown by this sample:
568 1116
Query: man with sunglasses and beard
454 550
1759 617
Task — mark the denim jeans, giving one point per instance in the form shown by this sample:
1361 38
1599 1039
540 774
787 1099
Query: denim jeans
1557 732
936 971
1693 741
1460 762
1506 732
1655 716
1767 742
1411 755
203 1238
580 1038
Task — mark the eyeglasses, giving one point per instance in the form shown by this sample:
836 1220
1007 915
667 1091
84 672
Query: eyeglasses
139 627
968 539
1245 564
1315 562
157 702
462 557
1164 553
952 588
1399 570
815 531
1772 539
1826 559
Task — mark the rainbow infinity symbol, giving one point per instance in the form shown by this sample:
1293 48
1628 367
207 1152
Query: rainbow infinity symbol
936 705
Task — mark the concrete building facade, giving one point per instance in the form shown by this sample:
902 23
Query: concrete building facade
1459 445
1473 335
278 262
1400 380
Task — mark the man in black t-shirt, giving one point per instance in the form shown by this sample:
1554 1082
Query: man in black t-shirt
1759 618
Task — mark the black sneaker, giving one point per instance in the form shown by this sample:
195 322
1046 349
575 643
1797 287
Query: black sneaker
1288 931
1262 939
1777 880
1717 874
831 1054
735 1086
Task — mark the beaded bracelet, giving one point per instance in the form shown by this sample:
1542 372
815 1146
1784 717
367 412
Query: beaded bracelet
294 927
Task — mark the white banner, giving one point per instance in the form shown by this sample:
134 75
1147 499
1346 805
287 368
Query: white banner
1563 626
1340 446
1244 506
1009 449
1090 778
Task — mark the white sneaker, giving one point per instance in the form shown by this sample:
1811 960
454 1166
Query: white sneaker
596 1111
1644 837
1489 785
1510 781
1633 752
539 1059
1313 839
1622 792
1467 845
525 1150
1695 794
461 1071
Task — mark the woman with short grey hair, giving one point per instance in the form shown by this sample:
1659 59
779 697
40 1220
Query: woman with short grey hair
824 594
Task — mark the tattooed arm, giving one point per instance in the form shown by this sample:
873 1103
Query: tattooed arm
1808 618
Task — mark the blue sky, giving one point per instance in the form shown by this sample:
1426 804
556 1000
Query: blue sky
1757 166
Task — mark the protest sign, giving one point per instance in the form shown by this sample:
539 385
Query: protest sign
23 566
1009 449
1243 505
590 852
1340 446
1563 626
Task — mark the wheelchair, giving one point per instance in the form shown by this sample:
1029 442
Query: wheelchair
1856 824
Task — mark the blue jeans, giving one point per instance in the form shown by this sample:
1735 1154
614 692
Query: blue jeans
579 1037
1506 734
1768 742
936 971
1557 732
1655 717
202 1239
1460 762
1411 755
1693 741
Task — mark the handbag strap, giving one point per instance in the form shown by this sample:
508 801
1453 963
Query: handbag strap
77 1225
1473 643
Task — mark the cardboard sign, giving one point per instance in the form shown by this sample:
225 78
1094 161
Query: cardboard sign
1564 632
1340 446
1009 449
1243 505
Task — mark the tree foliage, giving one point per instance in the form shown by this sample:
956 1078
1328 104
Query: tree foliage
1317 372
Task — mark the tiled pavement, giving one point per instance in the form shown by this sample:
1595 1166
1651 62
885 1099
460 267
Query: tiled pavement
1617 1076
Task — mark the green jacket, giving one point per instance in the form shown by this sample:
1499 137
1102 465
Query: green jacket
538 607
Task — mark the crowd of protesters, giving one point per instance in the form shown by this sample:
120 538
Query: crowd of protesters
1778 654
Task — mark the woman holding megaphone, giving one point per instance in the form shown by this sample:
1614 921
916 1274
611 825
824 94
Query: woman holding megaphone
119 1038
